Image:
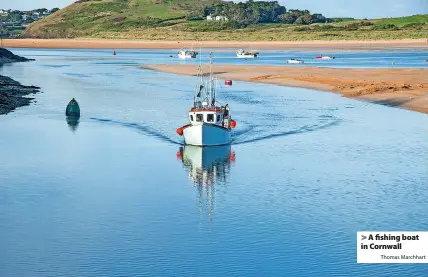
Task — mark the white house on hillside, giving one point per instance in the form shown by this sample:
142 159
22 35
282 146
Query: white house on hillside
217 18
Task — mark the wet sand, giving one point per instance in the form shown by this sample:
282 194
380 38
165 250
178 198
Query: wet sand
142 44
397 87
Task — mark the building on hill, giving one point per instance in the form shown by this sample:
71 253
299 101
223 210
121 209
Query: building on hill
14 22
217 18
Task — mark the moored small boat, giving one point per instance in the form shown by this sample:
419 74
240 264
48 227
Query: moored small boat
73 109
324 57
294 61
186 54
241 53
209 124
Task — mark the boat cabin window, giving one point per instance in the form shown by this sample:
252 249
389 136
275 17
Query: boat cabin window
218 118
199 117
210 117
191 117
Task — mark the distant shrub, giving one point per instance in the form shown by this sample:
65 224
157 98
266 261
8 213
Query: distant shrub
324 27
118 19
351 27
365 23
302 29
331 35
414 25
194 17
207 26
341 19
356 25
385 27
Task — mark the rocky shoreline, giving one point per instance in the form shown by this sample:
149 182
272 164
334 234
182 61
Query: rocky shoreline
12 94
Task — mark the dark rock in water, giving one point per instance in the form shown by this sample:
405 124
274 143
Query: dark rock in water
12 93
8 57
73 109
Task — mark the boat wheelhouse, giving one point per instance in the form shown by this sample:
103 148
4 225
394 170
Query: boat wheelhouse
209 124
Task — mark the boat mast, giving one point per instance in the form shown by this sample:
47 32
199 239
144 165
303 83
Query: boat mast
212 87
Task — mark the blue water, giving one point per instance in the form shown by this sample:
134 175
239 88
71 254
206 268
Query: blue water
117 194
379 59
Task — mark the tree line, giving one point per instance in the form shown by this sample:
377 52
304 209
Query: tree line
253 12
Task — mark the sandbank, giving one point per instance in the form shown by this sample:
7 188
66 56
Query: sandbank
144 44
397 87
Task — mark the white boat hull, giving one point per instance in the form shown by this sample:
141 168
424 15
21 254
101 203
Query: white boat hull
294 61
206 135
246 56
186 56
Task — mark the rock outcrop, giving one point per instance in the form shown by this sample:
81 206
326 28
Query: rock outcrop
12 93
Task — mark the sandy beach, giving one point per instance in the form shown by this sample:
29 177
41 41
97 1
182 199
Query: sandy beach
143 44
401 87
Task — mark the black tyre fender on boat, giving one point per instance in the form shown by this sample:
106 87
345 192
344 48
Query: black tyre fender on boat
226 110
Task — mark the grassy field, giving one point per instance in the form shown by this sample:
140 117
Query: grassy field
168 20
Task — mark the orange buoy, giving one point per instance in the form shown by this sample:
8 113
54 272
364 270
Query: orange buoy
232 156
233 124
228 82
180 131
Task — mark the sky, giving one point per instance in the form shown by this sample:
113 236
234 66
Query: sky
330 8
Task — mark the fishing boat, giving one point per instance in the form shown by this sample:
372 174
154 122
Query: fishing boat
294 61
324 57
242 53
187 54
209 124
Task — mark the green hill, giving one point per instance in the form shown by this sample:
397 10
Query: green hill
94 17
185 20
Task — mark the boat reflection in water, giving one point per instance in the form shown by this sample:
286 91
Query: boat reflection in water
207 167
73 122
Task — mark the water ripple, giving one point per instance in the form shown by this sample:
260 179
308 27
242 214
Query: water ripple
140 127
